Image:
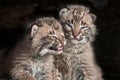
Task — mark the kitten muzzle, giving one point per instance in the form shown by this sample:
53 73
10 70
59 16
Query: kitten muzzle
57 47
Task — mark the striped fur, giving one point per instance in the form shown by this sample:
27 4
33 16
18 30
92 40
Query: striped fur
32 58
80 31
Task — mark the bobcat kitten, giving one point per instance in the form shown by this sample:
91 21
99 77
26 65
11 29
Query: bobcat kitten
80 31
32 58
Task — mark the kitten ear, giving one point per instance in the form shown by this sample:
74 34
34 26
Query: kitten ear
93 17
63 12
34 30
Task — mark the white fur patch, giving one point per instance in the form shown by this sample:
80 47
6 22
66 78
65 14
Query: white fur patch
43 52
75 41
48 51
84 40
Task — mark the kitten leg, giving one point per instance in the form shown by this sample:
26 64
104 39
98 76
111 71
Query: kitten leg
23 76
90 72
22 72
56 75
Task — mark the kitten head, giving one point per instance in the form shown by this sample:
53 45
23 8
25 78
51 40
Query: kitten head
78 24
47 36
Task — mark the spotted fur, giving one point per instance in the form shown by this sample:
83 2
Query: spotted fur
32 58
80 31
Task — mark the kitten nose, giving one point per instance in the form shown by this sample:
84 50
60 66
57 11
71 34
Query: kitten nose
75 37
75 34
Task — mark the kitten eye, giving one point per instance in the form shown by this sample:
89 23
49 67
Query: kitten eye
70 24
83 27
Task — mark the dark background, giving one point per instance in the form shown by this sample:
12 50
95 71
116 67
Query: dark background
15 14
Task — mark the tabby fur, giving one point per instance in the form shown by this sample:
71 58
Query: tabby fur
78 56
32 58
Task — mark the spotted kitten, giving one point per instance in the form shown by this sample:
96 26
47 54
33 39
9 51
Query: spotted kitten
78 57
32 58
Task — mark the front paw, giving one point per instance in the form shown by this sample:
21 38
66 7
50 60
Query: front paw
23 76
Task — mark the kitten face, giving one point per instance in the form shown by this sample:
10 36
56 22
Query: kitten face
77 24
48 34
